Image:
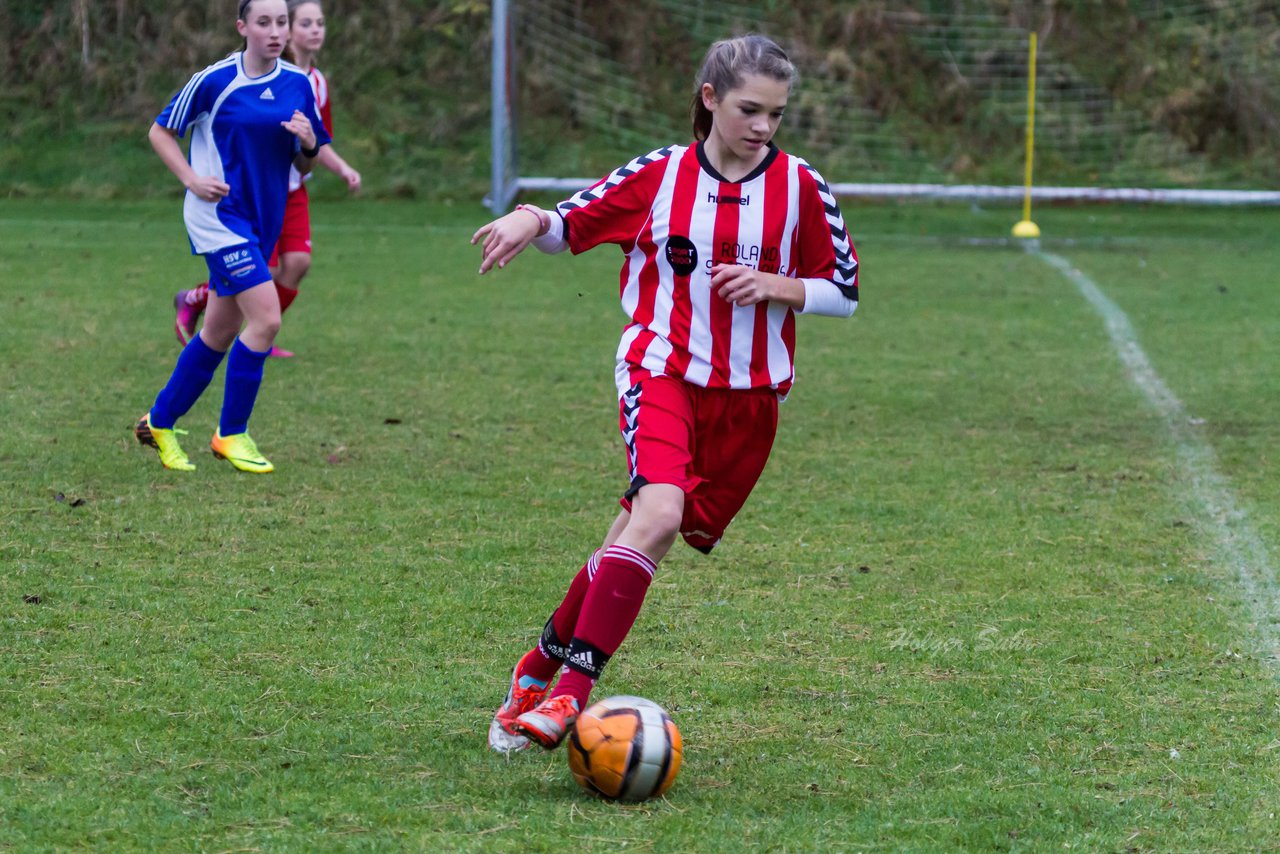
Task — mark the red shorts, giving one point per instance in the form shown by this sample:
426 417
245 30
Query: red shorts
296 234
712 443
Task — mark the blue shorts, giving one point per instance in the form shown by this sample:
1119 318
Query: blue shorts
235 269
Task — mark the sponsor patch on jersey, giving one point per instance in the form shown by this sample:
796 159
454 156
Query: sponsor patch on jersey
682 255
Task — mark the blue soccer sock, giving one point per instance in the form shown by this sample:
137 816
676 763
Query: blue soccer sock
196 365
244 377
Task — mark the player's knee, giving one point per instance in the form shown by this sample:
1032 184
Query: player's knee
660 520
293 268
264 327
296 268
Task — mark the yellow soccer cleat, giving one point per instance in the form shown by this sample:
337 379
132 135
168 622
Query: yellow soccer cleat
165 442
240 450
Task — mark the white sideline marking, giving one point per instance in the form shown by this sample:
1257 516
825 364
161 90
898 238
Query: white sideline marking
1238 545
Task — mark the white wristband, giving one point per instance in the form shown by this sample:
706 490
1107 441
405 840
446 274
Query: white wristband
553 241
821 296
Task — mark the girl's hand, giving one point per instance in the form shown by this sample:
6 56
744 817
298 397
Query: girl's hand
300 126
740 285
208 189
506 237
352 177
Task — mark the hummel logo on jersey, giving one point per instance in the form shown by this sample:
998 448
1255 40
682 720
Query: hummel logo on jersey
266 95
713 199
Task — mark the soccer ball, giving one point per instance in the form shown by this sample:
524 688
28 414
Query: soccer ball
625 748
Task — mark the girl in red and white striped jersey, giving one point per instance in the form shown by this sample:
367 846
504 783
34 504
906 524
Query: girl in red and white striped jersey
292 256
724 241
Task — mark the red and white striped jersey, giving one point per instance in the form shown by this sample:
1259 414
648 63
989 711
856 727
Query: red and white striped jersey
675 217
320 86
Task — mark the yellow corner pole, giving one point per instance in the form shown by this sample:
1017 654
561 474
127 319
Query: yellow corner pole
1025 227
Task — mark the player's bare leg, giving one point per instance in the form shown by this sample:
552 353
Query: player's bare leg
656 513
288 276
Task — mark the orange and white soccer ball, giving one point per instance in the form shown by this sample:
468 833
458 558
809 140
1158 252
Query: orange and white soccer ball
625 748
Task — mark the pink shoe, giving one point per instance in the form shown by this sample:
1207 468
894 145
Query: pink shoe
524 694
548 722
277 353
184 325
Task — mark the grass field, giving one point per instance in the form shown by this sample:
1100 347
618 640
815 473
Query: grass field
974 604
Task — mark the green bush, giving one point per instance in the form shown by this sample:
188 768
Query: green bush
79 81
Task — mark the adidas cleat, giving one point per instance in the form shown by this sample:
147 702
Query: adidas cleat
549 722
165 442
241 451
524 694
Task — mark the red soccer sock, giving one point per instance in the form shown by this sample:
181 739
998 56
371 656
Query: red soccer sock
544 660
535 663
287 296
565 619
576 685
609 610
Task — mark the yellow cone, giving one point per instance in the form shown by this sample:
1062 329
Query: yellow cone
1026 229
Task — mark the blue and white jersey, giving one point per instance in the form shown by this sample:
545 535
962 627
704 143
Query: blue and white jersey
236 137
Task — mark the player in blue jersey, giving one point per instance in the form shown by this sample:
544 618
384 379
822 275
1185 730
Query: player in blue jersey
293 250
251 116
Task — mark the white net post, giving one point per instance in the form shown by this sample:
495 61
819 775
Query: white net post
502 188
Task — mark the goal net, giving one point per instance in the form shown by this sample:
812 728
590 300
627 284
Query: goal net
924 102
